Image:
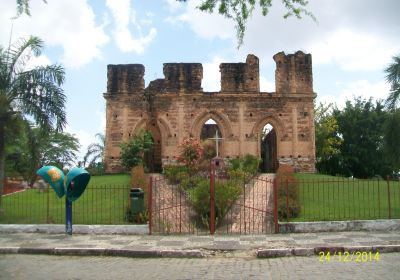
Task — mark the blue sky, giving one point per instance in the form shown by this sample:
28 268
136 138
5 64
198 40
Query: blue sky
351 44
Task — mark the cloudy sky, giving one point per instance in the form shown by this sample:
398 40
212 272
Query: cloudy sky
351 43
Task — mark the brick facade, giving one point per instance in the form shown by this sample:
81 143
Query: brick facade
176 107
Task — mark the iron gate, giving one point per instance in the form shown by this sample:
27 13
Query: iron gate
171 212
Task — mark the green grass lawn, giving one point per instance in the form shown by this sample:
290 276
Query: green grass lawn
330 198
104 201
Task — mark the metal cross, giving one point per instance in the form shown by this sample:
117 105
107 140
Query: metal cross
216 141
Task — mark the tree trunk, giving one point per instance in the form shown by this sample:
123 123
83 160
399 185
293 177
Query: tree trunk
2 162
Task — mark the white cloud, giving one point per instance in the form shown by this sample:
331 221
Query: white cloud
207 26
212 75
101 115
124 16
362 88
85 139
353 50
355 35
266 86
60 23
174 6
35 61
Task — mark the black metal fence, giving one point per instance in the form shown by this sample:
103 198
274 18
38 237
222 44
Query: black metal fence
318 200
339 199
98 205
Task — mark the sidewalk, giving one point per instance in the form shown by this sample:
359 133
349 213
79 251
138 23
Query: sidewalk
197 246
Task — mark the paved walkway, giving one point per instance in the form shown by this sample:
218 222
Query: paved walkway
277 245
71 267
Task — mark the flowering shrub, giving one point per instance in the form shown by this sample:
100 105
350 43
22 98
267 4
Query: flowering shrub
190 153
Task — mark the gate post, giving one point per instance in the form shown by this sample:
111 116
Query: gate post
275 190
212 197
149 202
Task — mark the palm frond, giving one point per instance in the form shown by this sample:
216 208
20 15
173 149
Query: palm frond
393 78
37 92
393 71
19 53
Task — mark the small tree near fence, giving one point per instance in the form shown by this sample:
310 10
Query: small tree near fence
132 151
288 193
190 154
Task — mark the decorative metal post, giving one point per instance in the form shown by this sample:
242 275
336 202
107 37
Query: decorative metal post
212 197
150 203
276 222
68 216
68 212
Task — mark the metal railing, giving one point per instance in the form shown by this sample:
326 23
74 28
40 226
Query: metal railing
318 200
338 200
98 205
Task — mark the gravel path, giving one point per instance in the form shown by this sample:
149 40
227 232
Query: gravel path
172 211
253 212
250 214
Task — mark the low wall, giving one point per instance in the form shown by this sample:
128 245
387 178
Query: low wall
78 229
358 225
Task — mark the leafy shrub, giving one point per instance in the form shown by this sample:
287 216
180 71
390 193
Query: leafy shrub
209 151
225 194
243 168
132 151
175 173
288 186
190 153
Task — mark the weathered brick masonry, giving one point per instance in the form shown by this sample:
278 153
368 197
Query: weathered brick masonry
176 107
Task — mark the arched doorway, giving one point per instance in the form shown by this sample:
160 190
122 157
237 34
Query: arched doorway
152 158
269 160
210 135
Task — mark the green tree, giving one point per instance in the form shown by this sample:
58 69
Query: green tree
361 126
38 148
327 140
392 136
393 78
28 92
241 10
132 151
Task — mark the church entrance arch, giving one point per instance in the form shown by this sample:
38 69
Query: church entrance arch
152 158
268 141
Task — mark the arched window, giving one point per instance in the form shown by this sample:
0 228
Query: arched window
211 135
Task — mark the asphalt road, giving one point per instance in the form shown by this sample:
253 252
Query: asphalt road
64 267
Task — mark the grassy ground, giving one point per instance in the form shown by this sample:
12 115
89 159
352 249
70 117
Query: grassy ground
334 198
104 201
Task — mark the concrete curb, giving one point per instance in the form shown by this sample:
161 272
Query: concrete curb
277 253
78 229
337 226
103 252
262 253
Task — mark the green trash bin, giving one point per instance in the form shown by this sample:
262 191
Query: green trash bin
137 200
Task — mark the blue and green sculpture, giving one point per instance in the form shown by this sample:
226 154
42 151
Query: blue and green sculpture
72 186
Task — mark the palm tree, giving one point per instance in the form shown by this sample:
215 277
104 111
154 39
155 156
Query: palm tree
34 92
393 78
95 151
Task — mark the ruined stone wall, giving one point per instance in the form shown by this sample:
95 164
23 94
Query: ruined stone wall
178 107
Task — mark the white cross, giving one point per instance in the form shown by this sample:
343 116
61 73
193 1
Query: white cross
216 141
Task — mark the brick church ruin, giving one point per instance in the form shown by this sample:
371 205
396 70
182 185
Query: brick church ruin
176 107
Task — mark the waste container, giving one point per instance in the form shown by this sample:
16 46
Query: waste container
137 200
